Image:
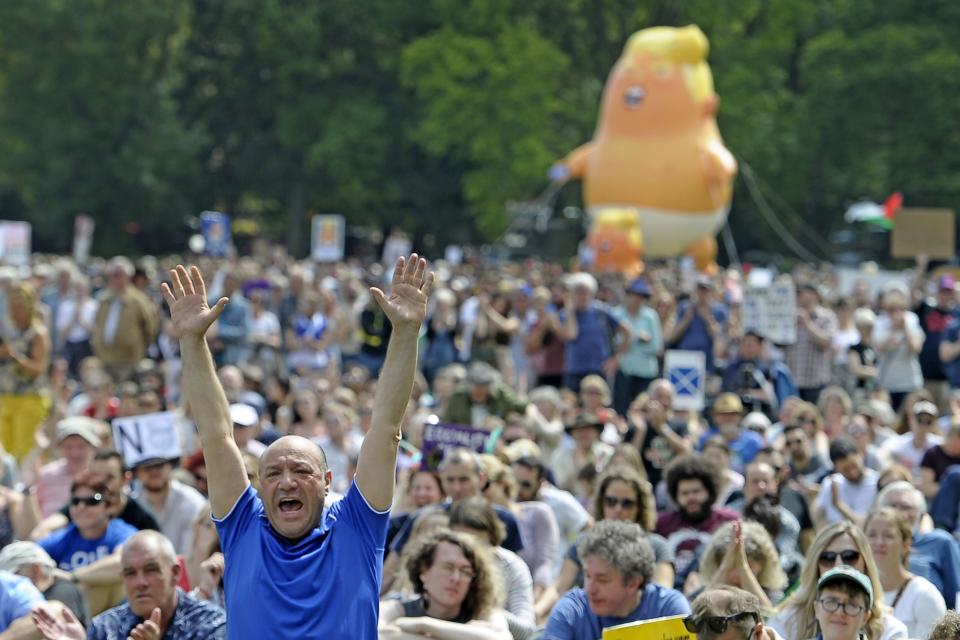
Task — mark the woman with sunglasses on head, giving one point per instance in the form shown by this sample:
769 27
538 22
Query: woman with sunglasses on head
622 494
456 594
915 600
839 544
93 533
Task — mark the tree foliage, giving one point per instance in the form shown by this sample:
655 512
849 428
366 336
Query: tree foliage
398 113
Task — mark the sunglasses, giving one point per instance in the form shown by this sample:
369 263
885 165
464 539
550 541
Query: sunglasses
90 501
848 556
626 503
526 484
717 624
791 443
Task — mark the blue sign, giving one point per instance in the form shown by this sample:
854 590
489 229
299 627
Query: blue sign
215 227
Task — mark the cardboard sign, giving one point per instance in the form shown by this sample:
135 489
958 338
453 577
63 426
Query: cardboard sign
772 311
671 627
439 437
930 231
215 227
152 435
687 371
15 242
327 233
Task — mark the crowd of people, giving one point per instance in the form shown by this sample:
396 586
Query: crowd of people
816 495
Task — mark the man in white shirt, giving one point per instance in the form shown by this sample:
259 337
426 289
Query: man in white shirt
908 448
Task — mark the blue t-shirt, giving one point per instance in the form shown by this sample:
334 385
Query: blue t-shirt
70 551
952 368
324 586
742 450
697 336
936 557
572 619
17 597
596 328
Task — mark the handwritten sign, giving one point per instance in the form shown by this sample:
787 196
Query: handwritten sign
152 435
440 437
772 311
671 627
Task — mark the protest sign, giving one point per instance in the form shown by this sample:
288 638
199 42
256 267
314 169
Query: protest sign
83 226
327 233
929 231
15 242
687 371
771 311
671 627
438 437
152 435
215 228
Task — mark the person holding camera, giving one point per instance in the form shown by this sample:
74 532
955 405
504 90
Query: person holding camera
762 385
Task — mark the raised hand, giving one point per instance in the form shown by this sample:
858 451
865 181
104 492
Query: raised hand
406 304
148 629
187 299
51 628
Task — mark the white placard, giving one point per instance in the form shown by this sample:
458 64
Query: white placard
327 236
152 435
15 242
687 371
83 226
772 311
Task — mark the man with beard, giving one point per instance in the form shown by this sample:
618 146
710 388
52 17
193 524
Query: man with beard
175 504
319 573
692 485
849 491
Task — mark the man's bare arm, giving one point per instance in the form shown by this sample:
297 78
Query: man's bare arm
192 317
406 307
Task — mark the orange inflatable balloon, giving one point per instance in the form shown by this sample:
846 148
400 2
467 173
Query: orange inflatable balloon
656 169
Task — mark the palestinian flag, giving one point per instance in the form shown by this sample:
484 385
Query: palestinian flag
873 213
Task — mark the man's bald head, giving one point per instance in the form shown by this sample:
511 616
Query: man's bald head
299 445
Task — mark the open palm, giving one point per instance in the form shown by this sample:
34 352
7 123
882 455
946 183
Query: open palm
406 304
187 299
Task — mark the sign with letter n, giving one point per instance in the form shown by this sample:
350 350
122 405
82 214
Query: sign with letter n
687 371
152 435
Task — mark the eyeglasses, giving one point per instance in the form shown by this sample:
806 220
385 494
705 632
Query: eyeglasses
791 443
832 605
90 501
848 556
448 570
626 503
717 624
925 421
526 484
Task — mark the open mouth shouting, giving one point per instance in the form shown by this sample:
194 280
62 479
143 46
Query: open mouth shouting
290 505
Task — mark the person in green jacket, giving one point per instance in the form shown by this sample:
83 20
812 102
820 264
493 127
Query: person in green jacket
484 395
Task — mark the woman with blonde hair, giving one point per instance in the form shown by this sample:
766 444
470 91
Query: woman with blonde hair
743 555
456 595
839 544
914 599
24 360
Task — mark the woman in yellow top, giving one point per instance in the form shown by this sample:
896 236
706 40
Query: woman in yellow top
24 360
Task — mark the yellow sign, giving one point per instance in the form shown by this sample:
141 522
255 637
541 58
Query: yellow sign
930 231
670 628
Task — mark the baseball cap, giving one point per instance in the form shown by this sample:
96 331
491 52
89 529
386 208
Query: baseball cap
81 426
846 573
639 287
946 283
243 415
925 407
16 554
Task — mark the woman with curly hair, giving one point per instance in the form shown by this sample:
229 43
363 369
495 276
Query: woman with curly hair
456 594
840 544
743 555
622 494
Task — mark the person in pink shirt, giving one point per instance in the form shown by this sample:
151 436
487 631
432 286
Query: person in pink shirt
77 442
